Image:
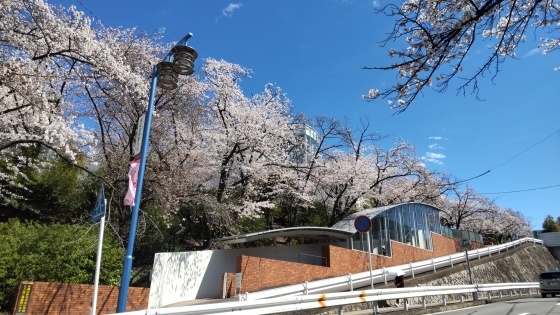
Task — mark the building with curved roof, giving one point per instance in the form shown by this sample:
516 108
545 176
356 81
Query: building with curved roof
399 234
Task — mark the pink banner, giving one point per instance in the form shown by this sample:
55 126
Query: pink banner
132 182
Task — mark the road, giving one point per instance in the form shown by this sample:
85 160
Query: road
530 306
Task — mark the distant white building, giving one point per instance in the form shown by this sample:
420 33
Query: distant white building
551 241
305 151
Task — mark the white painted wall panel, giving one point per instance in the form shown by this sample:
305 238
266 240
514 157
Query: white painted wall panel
185 276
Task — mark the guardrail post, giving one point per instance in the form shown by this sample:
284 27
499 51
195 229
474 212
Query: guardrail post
511 293
411 269
443 300
375 307
350 282
423 302
475 293
462 298
489 296
498 250
384 274
406 304
305 289
340 310
433 265
478 252
501 296
450 261
489 252
246 296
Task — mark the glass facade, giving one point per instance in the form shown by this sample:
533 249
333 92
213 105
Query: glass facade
410 224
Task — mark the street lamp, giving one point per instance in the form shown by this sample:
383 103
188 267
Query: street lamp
180 60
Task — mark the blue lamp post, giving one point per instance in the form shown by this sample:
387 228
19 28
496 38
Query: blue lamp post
180 60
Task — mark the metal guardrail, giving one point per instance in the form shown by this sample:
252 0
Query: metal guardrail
315 294
383 275
314 301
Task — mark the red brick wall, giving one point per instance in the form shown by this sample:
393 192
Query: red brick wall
263 273
75 299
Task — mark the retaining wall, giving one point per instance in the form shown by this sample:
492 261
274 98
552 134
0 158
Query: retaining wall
45 298
263 273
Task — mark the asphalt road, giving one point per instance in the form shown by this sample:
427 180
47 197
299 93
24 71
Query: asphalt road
529 306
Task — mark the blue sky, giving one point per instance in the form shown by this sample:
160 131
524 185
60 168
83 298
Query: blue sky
314 50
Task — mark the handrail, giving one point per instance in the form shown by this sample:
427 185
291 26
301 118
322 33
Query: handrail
295 303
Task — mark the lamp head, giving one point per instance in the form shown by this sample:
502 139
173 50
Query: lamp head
183 59
167 78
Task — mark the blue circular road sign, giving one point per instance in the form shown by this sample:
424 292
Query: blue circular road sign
362 224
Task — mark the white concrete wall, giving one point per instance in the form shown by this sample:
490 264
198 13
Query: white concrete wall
551 239
184 276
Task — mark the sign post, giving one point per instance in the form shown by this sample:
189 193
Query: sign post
363 225
466 244
98 213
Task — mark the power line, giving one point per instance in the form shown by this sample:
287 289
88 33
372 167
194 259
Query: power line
516 191
552 134
557 132
87 9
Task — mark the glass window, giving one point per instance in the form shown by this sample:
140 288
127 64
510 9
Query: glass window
400 224
384 233
375 236
391 215
407 229
411 224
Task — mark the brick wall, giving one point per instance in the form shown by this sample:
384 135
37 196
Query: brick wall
262 273
75 299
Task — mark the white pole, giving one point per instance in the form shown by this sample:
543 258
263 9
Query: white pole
369 258
98 264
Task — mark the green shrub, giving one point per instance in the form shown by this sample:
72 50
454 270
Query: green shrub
53 253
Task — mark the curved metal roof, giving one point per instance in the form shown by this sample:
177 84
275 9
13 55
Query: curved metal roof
309 232
347 224
344 229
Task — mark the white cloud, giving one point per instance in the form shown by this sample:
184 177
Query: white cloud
375 3
435 138
532 52
433 157
228 11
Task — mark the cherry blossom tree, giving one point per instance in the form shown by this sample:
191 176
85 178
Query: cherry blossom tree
423 186
77 88
72 86
241 143
348 178
438 36
298 189
512 224
35 74
464 208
